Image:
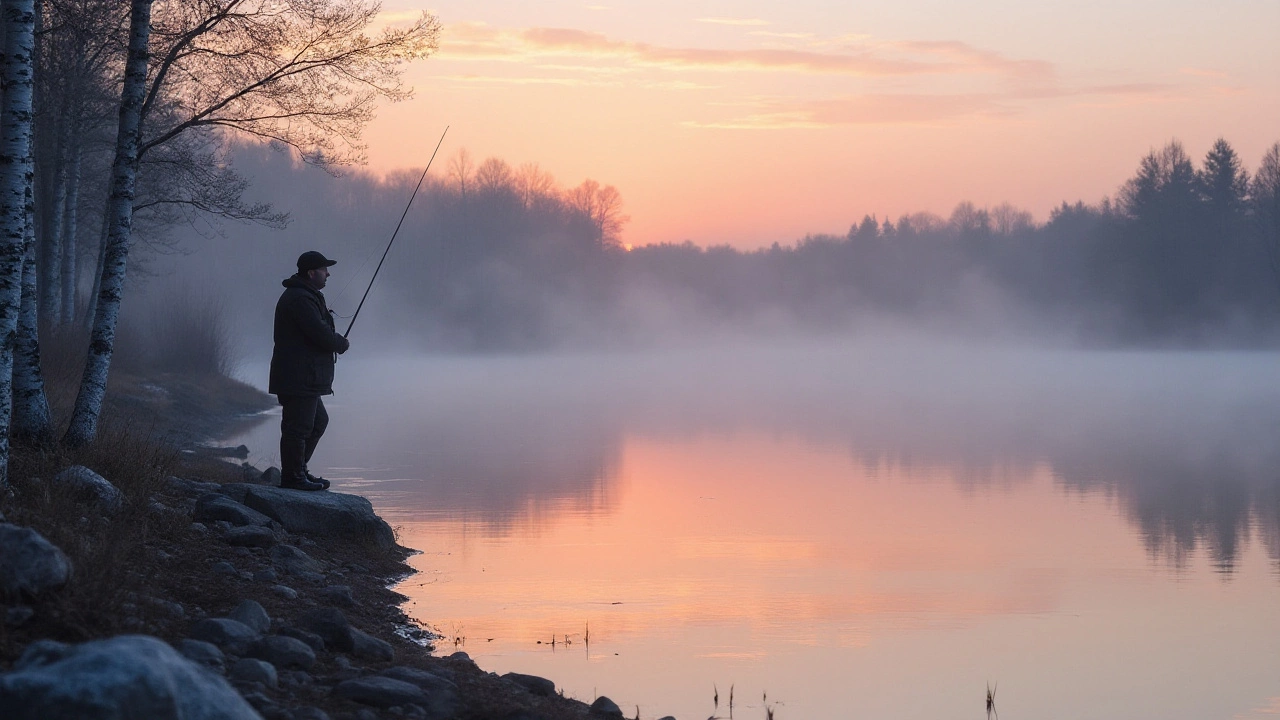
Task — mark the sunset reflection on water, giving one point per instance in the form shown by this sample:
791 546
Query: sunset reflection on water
1098 535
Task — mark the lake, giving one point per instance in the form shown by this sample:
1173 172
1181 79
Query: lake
836 531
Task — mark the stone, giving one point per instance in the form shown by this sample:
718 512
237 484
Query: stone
216 506
442 695
310 713
334 516
41 652
129 676
91 487
168 608
251 614
294 561
285 592
332 627
270 476
284 652
605 707
232 636
339 595
250 670
667 717
460 655
267 576
202 653
192 488
223 567
30 565
250 473
369 647
312 640
535 685
18 615
382 692
250 536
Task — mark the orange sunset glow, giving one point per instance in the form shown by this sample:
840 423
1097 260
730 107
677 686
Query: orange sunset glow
749 123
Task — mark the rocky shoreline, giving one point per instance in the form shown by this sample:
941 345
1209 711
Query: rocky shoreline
236 599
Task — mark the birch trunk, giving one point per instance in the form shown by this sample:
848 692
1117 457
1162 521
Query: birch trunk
124 170
16 175
92 309
51 240
67 272
30 404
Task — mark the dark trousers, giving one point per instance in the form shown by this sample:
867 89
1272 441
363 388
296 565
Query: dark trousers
302 423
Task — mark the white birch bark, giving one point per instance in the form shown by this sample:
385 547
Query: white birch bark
124 170
67 273
16 175
31 422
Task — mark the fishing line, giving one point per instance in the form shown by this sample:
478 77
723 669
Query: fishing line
397 232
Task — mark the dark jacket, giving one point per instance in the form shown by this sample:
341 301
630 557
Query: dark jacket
306 342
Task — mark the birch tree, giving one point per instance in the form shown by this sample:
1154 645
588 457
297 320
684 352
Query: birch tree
299 74
31 418
16 72
93 384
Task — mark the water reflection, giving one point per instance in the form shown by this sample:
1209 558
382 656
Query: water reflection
1184 443
864 531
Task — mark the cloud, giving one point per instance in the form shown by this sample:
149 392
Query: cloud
478 41
733 21
920 108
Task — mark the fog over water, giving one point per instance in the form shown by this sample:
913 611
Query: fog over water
1154 428
926 494
859 475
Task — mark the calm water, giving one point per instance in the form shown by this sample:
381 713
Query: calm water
872 532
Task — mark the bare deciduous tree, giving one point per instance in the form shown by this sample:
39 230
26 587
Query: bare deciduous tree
603 206
301 74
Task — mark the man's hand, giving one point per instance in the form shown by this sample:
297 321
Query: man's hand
346 345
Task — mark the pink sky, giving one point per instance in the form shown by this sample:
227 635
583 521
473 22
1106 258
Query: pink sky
751 122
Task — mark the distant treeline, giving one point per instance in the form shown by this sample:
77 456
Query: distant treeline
500 258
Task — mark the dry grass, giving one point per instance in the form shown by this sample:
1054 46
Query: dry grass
109 555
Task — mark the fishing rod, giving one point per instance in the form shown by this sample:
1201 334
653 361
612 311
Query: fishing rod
397 232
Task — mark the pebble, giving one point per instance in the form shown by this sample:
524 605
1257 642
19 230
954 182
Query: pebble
251 614
285 592
383 692
202 653
339 595
251 670
283 651
605 707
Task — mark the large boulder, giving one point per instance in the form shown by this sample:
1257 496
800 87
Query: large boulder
29 564
216 506
90 487
337 516
122 678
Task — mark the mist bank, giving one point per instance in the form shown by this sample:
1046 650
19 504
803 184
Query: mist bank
493 258
1182 441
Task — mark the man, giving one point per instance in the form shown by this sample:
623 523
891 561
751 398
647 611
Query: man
306 349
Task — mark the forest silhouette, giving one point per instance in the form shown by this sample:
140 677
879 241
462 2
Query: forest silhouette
498 258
